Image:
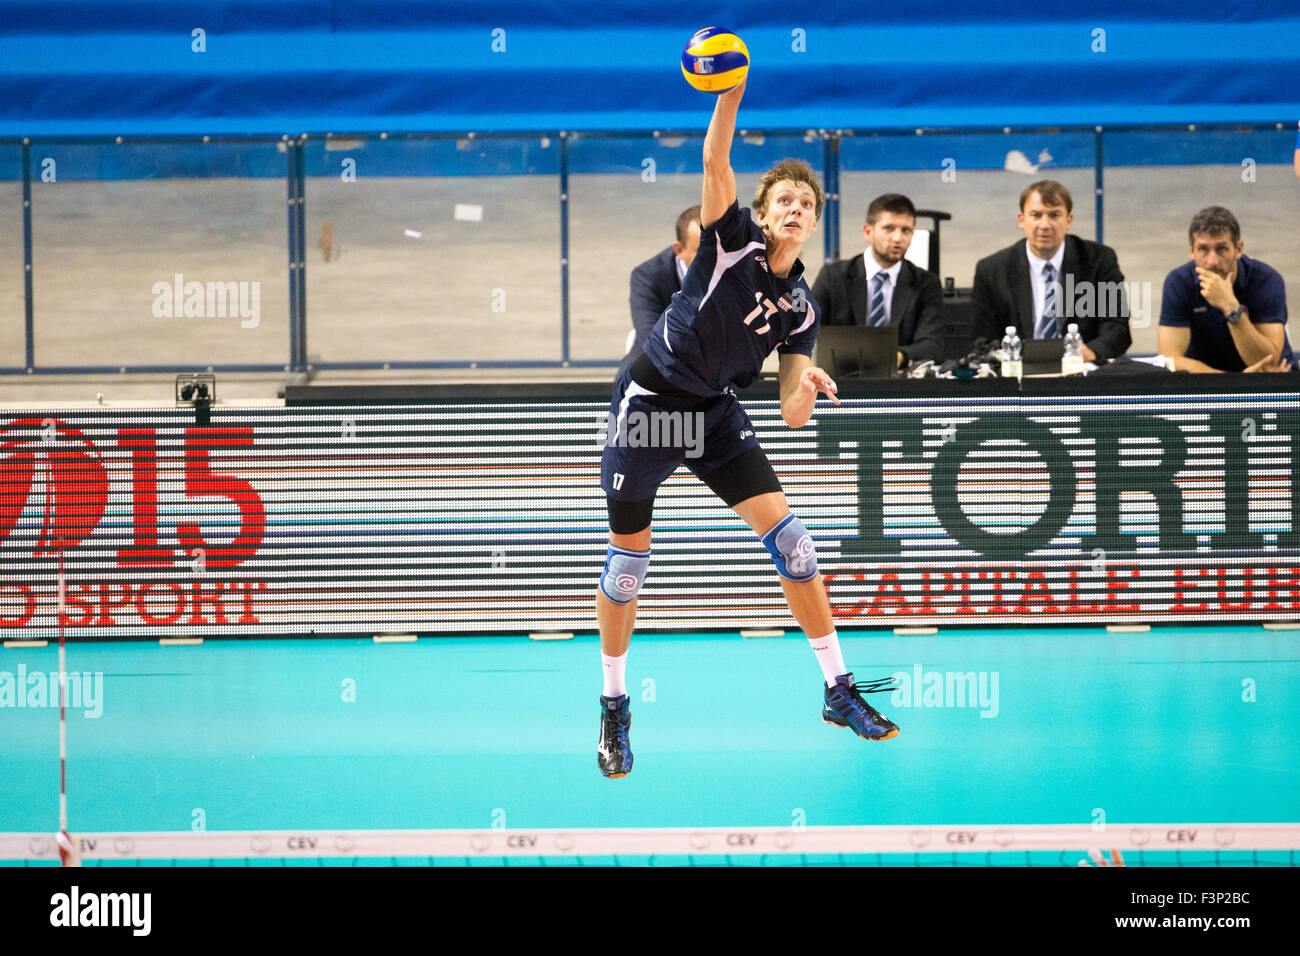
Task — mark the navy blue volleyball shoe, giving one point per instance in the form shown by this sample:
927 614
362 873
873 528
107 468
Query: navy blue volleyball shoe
613 750
845 707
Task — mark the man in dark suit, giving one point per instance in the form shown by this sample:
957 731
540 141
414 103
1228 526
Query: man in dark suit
880 287
655 280
1051 280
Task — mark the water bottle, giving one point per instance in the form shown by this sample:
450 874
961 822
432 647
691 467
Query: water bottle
1072 358
1011 366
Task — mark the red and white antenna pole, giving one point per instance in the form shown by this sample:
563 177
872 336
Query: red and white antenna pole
68 855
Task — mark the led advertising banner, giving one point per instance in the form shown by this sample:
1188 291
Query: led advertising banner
487 518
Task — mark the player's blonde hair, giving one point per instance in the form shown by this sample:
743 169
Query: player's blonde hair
795 170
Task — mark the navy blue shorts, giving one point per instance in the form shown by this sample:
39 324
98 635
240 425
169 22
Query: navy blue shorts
648 435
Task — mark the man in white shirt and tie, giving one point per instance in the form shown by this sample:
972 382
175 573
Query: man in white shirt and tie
1051 280
881 288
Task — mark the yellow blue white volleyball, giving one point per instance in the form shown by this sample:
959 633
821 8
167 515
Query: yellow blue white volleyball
715 60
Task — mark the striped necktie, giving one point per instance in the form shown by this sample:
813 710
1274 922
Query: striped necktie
1047 327
878 316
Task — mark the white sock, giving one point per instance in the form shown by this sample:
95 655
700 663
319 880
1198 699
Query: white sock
615 668
829 658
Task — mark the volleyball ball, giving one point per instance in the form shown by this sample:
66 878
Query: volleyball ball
715 60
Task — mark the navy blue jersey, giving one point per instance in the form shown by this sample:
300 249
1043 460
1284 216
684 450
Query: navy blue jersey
1258 287
731 312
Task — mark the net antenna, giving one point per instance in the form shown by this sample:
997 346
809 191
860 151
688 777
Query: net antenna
68 855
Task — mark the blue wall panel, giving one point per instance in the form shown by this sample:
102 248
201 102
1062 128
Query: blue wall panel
128 67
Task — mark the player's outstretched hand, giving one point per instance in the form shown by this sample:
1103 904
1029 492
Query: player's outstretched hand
814 379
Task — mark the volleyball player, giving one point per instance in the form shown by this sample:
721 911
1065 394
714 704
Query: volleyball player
743 296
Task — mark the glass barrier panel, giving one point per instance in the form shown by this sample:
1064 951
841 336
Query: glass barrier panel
1157 181
626 194
159 254
13 347
977 178
435 250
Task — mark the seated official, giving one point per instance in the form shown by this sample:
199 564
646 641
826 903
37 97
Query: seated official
880 287
655 280
1053 280
1223 311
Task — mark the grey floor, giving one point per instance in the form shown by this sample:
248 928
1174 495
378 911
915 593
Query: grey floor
490 289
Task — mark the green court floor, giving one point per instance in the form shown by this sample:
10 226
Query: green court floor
1198 724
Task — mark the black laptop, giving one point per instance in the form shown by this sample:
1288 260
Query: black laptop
850 351
1042 356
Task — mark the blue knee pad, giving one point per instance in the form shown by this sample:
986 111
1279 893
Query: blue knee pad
624 574
792 549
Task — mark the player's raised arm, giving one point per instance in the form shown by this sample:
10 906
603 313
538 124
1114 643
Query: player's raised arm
719 180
